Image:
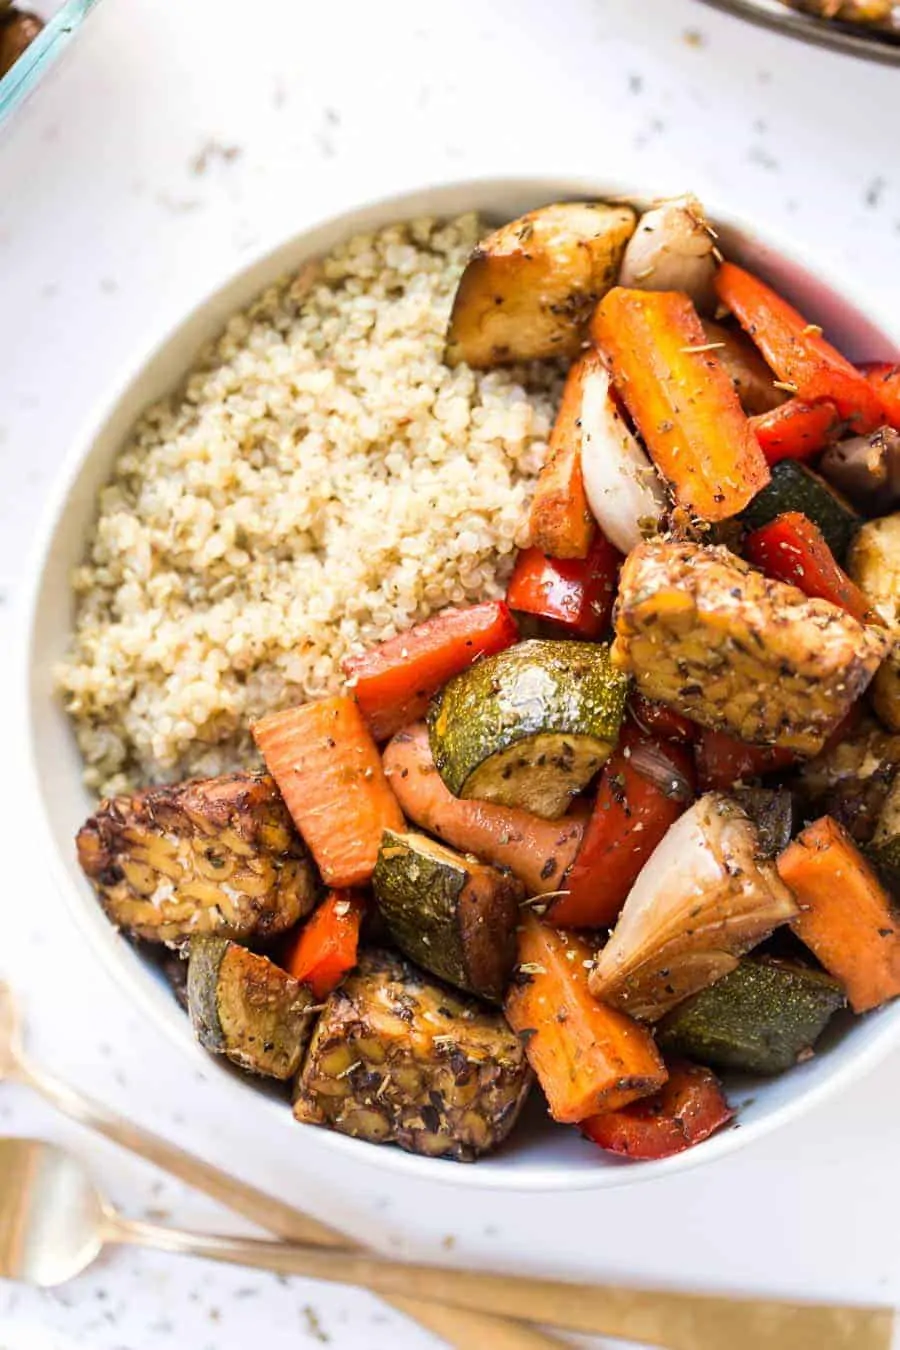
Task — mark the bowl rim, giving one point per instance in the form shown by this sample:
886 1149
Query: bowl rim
531 1177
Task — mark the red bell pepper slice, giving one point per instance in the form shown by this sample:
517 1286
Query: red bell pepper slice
884 377
663 721
723 761
577 593
791 548
326 947
686 1110
394 681
796 350
796 430
631 814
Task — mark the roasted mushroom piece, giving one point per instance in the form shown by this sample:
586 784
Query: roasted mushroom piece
217 855
398 1058
866 469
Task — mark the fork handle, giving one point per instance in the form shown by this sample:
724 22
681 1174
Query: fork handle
458 1328
675 1321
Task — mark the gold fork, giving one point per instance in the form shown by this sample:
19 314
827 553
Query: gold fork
459 1328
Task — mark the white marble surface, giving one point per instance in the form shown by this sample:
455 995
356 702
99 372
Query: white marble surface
175 139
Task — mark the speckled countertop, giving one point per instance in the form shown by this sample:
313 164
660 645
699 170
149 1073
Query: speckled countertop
173 141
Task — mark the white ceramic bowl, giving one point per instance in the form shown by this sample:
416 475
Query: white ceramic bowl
540 1156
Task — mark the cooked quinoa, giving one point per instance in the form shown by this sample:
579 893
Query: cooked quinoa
321 482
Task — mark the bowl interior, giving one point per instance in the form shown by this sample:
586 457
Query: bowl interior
540 1154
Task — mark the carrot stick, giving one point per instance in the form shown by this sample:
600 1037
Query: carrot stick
326 947
327 767
393 682
536 851
796 350
796 430
682 400
846 916
588 1058
561 522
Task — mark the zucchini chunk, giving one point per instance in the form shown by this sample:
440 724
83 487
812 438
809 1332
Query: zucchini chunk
874 564
762 1018
703 900
218 855
794 487
397 1058
737 652
530 726
245 1007
529 288
454 915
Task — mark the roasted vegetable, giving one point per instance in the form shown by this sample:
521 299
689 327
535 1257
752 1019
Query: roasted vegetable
884 850
762 1018
659 720
560 523
866 469
796 430
529 288
574 594
327 766
453 915
536 851
688 1108
530 726
587 1057
623 490
213 856
724 762
704 899
245 1007
884 377
796 350
792 549
397 1058
702 631
644 787
393 682
326 947
794 487
846 916
772 812
850 779
681 399
754 382
673 249
874 564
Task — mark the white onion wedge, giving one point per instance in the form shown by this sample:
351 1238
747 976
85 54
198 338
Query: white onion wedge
673 249
704 898
621 485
